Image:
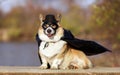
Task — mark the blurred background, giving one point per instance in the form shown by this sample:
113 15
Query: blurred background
97 20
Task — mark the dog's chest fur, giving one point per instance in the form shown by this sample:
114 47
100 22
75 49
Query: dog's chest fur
51 49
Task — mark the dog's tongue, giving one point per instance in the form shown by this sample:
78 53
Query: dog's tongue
49 35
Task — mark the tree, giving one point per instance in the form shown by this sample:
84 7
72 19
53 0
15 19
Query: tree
106 20
74 17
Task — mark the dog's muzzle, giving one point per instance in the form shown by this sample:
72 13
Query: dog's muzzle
49 32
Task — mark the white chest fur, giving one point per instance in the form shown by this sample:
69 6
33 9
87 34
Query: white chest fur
52 48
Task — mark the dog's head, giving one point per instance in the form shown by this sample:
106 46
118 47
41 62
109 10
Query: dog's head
49 24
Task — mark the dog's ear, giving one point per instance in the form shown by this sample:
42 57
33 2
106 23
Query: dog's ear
59 17
41 18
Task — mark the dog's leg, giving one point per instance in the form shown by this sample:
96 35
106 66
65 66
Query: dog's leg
58 59
56 63
66 61
79 61
44 62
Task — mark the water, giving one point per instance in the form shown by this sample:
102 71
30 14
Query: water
26 54
19 54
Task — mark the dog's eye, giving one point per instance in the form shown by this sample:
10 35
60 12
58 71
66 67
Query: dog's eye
53 26
45 26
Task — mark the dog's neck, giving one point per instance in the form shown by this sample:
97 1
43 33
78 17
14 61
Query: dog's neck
51 49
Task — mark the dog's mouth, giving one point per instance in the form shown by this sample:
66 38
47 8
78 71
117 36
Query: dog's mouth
49 32
50 35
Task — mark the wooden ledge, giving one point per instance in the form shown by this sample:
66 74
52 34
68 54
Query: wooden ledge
36 71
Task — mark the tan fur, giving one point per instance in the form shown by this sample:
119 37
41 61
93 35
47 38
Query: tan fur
67 58
71 59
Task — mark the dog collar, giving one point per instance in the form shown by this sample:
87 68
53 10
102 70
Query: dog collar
47 44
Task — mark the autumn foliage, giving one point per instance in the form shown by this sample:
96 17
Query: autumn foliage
99 22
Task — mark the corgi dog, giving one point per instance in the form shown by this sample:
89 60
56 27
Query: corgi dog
56 52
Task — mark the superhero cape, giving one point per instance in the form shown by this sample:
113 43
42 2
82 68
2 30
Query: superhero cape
87 46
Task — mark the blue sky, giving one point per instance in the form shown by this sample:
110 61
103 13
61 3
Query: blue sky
85 3
7 5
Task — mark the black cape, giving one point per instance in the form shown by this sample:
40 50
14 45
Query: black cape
87 46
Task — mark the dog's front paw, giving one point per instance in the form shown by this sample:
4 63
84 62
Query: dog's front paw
73 67
54 67
43 67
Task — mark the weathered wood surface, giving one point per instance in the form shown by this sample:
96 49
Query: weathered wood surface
37 71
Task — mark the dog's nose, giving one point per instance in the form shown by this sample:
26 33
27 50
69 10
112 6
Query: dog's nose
49 31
